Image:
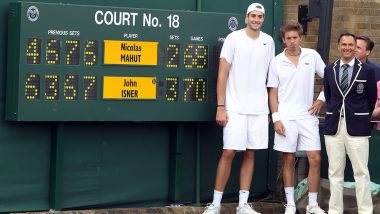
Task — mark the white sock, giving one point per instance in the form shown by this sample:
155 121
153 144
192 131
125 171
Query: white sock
289 192
243 197
217 198
313 199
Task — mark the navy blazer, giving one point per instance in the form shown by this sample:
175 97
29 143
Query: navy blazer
358 103
376 68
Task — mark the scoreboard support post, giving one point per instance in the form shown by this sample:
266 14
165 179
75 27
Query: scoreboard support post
56 164
198 166
176 148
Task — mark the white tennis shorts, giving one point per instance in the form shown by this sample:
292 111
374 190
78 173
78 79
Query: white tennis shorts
300 135
245 132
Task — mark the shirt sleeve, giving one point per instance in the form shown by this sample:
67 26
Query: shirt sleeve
272 50
228 49
319 65
326 88
273 80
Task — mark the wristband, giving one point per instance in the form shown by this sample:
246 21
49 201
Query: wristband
321 96
276 117
219 105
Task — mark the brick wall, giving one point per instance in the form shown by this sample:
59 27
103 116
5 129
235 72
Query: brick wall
360 17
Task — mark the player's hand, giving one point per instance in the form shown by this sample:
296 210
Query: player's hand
279 128
221 117
316 107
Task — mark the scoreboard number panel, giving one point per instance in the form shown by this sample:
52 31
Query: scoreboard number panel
71 87
33 51
90 54
90 86
32 87
53 51
52 87
196 56
72 52
113 63
195 89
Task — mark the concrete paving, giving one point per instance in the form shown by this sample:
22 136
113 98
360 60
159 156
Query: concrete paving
227 208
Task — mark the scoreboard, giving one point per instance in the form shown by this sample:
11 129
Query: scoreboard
95 63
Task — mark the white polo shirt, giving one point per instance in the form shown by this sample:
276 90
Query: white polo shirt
295 85
246 91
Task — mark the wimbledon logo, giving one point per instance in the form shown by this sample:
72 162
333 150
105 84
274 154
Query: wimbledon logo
232 23
32 13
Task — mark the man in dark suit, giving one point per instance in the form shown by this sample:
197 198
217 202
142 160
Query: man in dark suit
364 47
350 91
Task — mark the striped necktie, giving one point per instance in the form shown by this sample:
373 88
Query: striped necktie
344 80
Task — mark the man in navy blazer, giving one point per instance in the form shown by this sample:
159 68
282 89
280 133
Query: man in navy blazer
364 47
350 91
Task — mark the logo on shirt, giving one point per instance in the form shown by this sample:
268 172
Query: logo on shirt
232 24
360 88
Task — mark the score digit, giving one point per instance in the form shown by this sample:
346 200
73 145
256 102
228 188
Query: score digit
32 87
72 52
70 87
196 56
172 88
90 87
33 51
52 87
194 89
173 56
53 49
91 53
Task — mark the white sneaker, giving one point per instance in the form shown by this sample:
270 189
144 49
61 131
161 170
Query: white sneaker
290 209
314 210
212 209
246 209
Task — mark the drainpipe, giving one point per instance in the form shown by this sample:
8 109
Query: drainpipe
325 22
198 147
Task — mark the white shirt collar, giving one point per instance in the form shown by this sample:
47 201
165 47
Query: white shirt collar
284 58
351 63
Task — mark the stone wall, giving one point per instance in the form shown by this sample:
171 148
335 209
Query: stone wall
360 17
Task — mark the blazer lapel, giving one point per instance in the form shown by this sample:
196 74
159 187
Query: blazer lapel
336 75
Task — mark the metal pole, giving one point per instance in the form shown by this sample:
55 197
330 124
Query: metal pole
198 148
324 36
199 5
